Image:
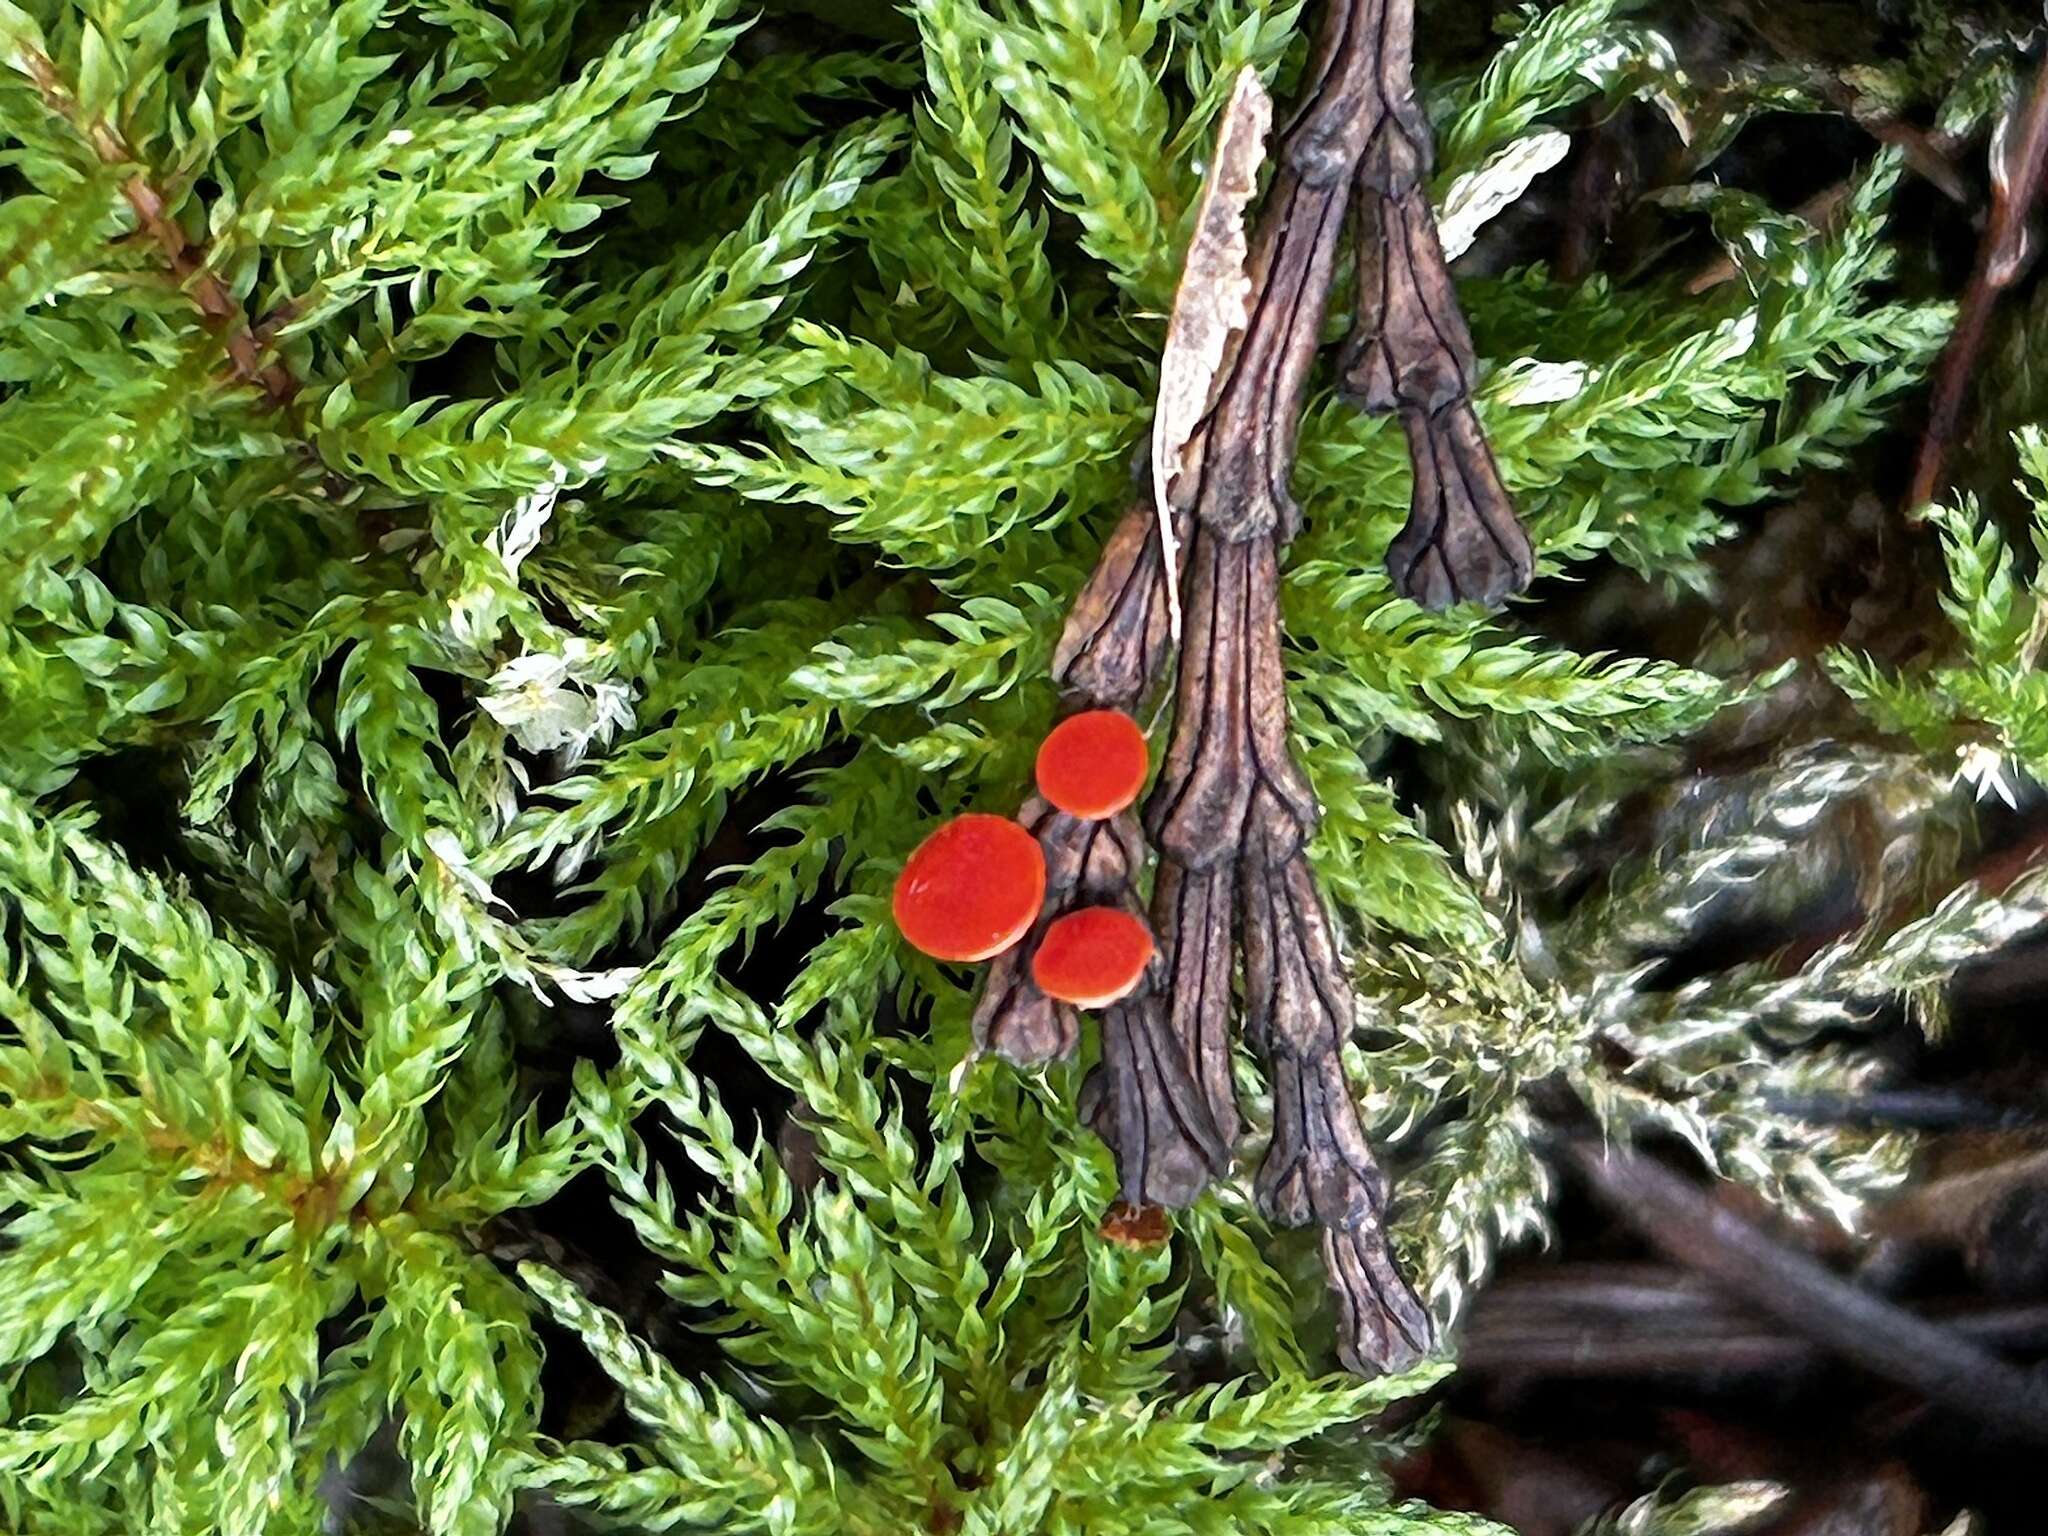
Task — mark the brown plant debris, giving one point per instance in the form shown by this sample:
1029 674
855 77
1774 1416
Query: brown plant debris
1234 907
1210 308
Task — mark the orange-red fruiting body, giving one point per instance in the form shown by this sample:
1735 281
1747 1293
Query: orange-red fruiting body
1092 956
1093 764
971 889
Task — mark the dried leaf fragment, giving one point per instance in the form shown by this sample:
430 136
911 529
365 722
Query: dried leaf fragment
1211 306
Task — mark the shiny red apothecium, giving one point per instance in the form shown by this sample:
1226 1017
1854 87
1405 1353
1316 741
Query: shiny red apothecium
971 889
1092 956
1093 764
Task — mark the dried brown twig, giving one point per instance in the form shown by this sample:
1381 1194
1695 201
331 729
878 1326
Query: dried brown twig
1747 1263
1231 814
2019 178
1618 1320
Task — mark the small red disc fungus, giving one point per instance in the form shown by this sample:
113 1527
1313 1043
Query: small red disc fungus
1093 764
1092 956
971 889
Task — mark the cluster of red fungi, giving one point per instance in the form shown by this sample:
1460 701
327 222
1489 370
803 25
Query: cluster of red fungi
974 887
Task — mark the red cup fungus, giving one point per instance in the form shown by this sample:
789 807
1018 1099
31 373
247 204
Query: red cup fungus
1092 956
971 889
1093 764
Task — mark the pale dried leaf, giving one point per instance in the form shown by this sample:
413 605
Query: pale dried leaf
1210 306
1530 381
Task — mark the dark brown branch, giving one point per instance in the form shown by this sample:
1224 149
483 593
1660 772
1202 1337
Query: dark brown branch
2002 257
1409 347
1016 1021
1608 1320
1230 796
1246 453
1690 1227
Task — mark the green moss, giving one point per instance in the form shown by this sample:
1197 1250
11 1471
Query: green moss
467 469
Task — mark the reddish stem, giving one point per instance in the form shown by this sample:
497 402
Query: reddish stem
2001 258
218 309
